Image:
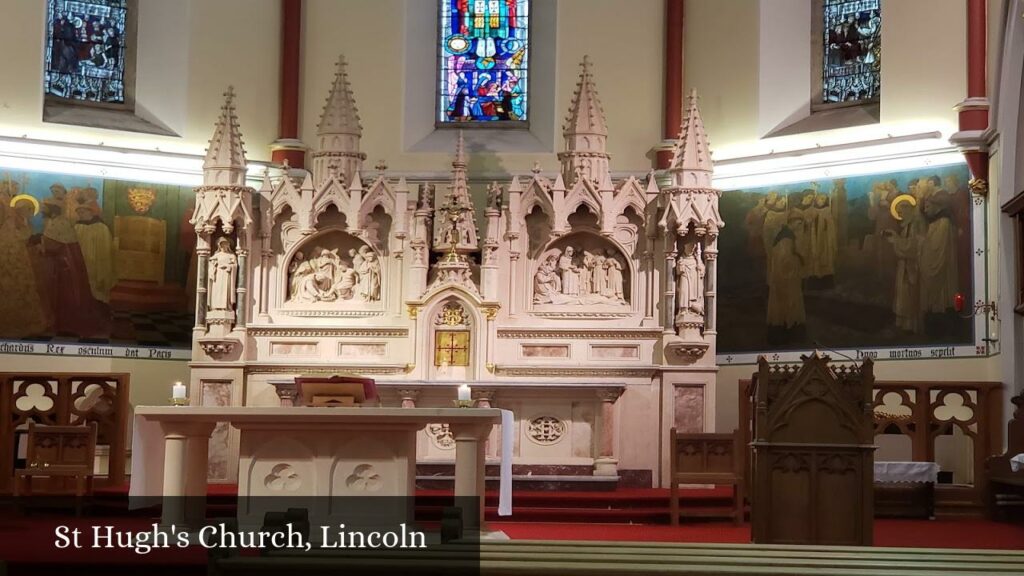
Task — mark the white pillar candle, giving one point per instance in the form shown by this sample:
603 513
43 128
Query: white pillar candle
178 391
464 393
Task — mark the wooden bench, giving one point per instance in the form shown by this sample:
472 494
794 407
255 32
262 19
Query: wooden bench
58 452
1005 488
707 459
530 558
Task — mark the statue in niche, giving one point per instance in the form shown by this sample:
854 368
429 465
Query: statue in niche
327 277
547 284
223 274
369 274
426 198
580 278
690 273
570 273
612 277
494 196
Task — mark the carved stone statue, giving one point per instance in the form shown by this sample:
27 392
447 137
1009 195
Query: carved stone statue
369 274
426 197
327 277
570 273
223 272
494 196
547 285
690 272
597 277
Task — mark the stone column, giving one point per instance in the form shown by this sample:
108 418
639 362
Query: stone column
265 256
185 470
711 286
669 301
409 396
485 399
241 293
606 464
287 392
202 262
469 472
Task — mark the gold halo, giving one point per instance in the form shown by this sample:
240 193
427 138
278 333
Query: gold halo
31 199
899 200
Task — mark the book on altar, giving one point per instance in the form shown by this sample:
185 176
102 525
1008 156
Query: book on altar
336 390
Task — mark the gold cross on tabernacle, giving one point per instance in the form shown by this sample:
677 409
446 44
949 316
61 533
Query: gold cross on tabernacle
452 348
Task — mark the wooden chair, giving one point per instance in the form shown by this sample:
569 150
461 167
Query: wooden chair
708 459
58 452
1005 488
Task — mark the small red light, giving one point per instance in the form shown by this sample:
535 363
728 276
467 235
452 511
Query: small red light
958 302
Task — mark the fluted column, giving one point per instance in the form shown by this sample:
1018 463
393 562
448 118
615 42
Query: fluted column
242 292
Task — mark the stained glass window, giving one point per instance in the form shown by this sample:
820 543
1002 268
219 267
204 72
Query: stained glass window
852 56
484 60
85 56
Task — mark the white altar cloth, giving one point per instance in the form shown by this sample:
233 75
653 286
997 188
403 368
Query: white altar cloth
907 472
149 436
1017 463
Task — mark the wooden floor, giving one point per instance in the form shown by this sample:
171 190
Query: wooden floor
536 558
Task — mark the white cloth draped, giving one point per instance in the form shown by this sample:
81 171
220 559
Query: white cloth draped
907 472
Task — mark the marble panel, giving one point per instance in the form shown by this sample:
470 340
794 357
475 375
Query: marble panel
362 349
218 393
294 349
689 409
545 350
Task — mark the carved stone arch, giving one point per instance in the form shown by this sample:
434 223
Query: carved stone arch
321 239
473 324
589 299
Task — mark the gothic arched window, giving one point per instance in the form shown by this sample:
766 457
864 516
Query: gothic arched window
89 51
849 58
483 65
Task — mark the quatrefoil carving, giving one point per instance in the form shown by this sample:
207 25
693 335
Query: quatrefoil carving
283 478
954 408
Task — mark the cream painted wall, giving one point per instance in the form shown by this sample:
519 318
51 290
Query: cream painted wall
189 52
627 53
923 75
150 384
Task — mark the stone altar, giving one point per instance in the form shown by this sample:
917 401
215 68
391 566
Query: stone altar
557 298
308 452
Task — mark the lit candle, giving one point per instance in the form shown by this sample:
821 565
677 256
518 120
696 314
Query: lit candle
178 391
464 393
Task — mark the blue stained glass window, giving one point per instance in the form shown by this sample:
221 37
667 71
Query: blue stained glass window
852 53
484 61
85 56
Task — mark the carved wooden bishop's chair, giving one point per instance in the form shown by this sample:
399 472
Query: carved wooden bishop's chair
58 452
707 459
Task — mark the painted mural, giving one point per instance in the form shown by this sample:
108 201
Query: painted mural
860 262
92 260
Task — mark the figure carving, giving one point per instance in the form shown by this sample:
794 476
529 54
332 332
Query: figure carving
223 271
566 278
690 271
494 196
327 277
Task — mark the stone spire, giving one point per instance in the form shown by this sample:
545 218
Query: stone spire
586 132
691 165
339 131
455 218
225 158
